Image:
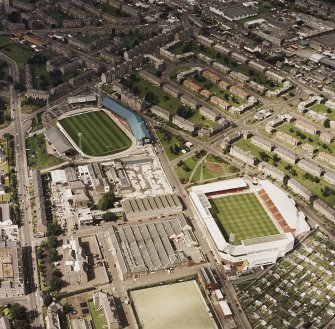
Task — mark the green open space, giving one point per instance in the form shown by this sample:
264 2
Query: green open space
185 170
228 61
157 96
97 314
20 53
242 215
86 38
180 305
133 39
292 171
322 108
171 143
4 73
100 135
212 167
37 155
60 16
307 138
4 40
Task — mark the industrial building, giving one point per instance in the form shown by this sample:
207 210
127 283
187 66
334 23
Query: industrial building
151 247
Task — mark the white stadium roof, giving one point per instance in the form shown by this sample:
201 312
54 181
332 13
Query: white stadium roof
221 186
286 206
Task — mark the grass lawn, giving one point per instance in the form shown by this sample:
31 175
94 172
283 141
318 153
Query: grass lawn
100 134
164 100
322 108
4 73
242 215
184 172
36 122
211 167
172 144
37 155
60 16
228 61
290 170
5 118
86 38
131 40
98 316
19 53
4 40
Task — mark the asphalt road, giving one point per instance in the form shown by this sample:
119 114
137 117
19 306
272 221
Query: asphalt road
26 230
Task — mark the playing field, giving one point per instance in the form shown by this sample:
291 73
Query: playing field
242 215
175 306
100 134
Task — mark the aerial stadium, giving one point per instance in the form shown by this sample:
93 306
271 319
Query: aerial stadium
249 225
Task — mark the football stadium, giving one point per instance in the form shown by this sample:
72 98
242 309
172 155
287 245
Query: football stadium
179 305
249 225
95 133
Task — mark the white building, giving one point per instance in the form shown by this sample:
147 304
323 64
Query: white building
251 252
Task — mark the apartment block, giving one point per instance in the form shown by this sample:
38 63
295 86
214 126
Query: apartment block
288 139
243 155
271 171
262 143
286 155
299 189
310 167
306 127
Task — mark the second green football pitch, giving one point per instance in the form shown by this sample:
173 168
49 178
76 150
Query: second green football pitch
242 215
100 135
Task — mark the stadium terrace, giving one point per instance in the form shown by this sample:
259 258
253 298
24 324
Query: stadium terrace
249 225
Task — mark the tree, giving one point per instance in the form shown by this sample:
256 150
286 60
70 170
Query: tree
54 229
55 283
106 201
47 299
18 312
67 308
52 241
109 217
326 123
53 255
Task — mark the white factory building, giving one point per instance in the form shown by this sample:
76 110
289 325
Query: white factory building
252 252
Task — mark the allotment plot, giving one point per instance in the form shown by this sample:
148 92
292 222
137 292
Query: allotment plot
174 306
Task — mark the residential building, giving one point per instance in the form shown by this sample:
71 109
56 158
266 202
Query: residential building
330 159
307 127
41 220
192 86
206 94
171 90
157 82
310 167
223 84
263 143
309 149
209 113
327 137
219 102
286 155
11 273
243 155
274 76
288 139
221 68
183 123
161 113
239 92
329 177
324 209
299 189
271 171
189 101
207 42
211 76
239 77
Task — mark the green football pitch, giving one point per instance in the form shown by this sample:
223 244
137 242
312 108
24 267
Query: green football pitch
100 135
242 215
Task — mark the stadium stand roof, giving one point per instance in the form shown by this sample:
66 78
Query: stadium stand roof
222 185
81 99
286 206
137 125
58 140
